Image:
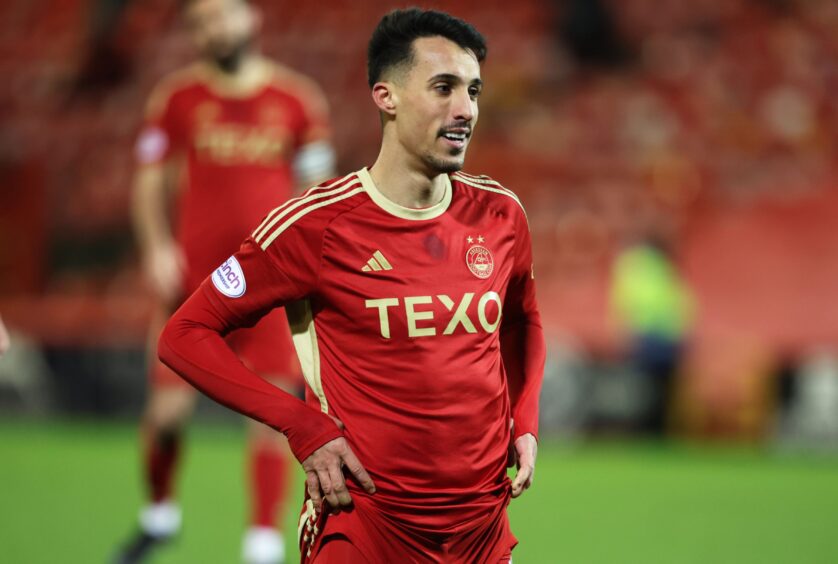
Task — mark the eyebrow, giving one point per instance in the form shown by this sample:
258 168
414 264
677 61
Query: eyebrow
454 78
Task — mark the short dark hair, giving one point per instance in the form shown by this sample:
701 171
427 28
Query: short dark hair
391 43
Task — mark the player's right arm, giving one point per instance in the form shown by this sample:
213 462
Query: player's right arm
158 153
193 345
245 288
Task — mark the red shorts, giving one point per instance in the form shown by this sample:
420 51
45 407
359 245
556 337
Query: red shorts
266 348
374 537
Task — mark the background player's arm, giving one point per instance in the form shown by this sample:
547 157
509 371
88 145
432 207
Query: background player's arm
314 163
158 153
163 261
315 160
523 351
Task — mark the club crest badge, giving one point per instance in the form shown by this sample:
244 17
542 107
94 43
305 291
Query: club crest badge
479 260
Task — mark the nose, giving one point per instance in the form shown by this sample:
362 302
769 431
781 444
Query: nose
215 31
463 107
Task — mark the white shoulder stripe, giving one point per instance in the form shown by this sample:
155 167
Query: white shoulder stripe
475 177
478 179
485 180
259 231
494 187
303 200
357 189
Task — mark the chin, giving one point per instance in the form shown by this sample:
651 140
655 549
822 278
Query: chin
228 56
445 165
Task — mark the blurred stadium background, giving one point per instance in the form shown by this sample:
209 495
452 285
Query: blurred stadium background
710 124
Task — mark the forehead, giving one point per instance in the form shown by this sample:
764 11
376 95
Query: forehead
199 8
438 55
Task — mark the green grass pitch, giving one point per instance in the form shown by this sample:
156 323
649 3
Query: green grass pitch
69 492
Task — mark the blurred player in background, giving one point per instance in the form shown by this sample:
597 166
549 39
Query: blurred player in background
655 308
411 297
227 137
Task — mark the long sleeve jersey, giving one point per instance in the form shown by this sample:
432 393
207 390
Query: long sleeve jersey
417 328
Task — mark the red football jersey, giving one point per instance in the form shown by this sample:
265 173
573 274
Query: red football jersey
237 147
399 317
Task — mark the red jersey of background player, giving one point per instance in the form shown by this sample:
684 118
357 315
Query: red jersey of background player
238 149
399 317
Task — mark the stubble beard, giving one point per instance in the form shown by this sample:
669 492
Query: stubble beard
230 61
445 166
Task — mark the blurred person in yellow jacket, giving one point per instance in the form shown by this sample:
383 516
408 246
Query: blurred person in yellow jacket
655 308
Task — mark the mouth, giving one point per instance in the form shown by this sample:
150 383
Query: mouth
456 138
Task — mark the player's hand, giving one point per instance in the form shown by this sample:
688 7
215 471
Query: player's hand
4 338
324 474
164 268
526 449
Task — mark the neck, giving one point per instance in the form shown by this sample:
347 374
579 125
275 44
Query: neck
405 180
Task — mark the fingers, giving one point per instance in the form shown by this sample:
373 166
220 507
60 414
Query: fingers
166 283
355 468
327 487
522 481
313 488
324 474
4 338
180 258
165 265
526 448
167 289
339 489
338 494
511 456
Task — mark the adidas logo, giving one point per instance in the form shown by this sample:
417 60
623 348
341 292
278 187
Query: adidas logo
377 262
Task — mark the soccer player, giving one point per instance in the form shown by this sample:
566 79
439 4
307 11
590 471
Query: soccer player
410 294
230 134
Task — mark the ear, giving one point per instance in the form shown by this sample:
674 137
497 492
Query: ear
385 97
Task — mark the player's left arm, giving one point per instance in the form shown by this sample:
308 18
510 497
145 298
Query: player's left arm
523 351
315 159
